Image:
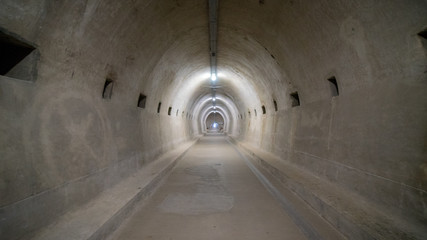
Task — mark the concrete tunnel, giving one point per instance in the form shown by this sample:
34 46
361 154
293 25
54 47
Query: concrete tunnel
105 104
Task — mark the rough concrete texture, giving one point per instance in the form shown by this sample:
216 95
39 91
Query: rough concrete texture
62 144
335 203
211 194
100 217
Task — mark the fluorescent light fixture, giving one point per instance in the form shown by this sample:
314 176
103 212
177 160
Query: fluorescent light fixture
213 77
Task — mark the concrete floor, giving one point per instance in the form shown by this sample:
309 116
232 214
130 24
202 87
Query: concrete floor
211 194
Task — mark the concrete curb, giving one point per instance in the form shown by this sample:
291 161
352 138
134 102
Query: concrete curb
101 216
334 204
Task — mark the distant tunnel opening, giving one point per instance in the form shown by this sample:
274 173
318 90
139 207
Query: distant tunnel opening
214 122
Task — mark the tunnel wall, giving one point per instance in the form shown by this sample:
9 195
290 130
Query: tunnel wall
61 142
369 139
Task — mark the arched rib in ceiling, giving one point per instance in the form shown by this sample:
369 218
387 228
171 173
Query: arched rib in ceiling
222 108
248 74
216 112
205 104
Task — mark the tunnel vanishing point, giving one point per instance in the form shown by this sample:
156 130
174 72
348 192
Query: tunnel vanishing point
101 99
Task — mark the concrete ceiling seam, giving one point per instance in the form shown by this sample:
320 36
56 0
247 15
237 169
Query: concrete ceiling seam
220 110
229 104
213 22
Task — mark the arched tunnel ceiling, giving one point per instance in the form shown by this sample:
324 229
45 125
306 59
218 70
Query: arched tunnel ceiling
261 47
167 43
161 49
180 78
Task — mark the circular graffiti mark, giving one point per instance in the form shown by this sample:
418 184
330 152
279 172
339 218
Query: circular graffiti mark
67 139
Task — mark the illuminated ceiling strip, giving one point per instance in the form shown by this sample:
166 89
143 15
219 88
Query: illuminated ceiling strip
213 22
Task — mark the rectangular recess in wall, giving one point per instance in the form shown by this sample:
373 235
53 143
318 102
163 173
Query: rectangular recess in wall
263 109
333 85
295 99
159 107
18 59
275 105
141 100
423 34
255 112
108 89
169 111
